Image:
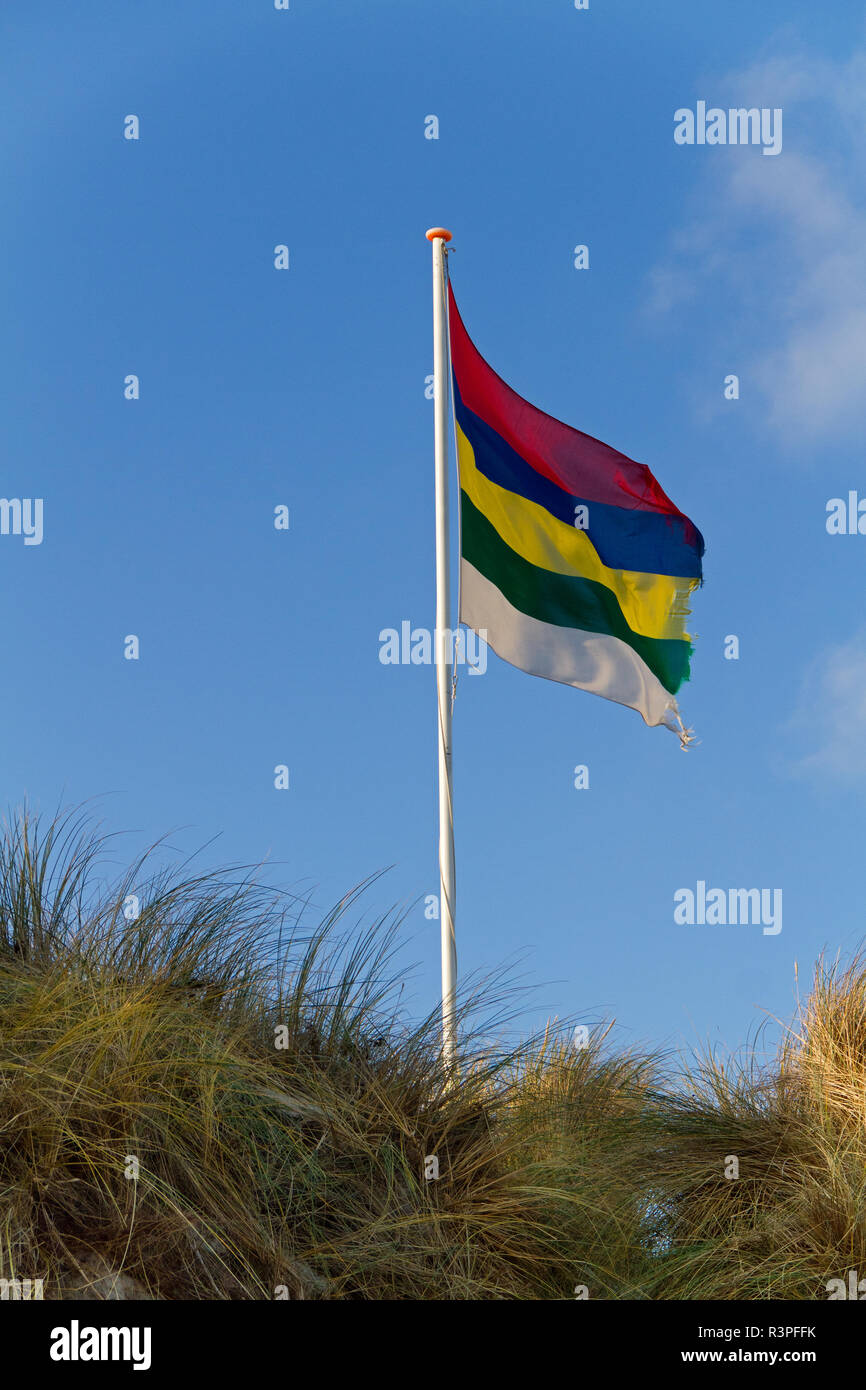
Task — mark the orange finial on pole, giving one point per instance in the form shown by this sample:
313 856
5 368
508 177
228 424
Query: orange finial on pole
436 232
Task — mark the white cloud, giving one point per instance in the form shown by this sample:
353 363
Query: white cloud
833 706
784 241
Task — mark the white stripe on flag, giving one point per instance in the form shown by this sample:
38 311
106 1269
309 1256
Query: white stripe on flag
591 661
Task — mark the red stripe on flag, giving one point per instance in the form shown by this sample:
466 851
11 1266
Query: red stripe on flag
581 465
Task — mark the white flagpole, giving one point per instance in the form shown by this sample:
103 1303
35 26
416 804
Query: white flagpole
438 236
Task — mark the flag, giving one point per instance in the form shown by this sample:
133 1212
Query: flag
575 564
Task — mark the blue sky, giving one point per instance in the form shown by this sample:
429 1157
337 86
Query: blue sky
306 387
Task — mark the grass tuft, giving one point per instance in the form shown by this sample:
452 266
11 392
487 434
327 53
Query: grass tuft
204 1101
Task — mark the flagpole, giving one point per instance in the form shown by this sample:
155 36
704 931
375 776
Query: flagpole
438 236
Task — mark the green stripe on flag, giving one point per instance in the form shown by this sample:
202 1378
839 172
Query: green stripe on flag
564 600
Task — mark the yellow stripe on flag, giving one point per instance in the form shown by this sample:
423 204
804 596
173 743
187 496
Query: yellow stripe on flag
653 605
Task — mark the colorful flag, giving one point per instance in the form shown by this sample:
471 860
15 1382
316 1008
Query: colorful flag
575 563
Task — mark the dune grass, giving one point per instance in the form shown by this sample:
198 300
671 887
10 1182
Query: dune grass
763 1169
199 1099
